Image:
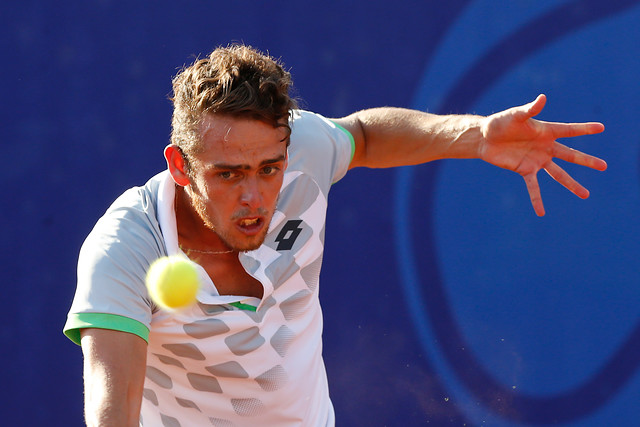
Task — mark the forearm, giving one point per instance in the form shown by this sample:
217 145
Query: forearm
387 137
107 406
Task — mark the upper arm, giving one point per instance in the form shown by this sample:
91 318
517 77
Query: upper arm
114 372
381 136
352 124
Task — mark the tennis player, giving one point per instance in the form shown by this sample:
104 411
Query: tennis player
245 196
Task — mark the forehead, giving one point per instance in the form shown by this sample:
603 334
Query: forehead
239 140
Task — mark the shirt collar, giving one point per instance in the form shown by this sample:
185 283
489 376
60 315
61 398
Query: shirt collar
166 213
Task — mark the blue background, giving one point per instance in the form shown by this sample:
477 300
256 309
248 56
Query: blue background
446 300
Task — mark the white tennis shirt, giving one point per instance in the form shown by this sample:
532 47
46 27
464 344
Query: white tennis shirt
226 360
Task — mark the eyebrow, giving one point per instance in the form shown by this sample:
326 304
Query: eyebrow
227 166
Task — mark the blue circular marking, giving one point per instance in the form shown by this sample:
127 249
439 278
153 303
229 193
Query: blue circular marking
434 312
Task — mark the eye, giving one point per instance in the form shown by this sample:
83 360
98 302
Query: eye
270 170
226 175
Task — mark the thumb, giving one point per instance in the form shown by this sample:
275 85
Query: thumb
534 108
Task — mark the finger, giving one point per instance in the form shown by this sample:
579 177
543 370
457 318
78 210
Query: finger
531 180
561 176
578 157
569 130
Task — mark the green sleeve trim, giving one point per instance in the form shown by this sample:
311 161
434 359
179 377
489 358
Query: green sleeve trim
76 322
242 306
353 142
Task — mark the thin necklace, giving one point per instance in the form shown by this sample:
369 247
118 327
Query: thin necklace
205 252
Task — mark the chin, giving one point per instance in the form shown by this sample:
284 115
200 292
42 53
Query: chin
247 245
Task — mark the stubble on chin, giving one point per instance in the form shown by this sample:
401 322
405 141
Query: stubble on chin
202 210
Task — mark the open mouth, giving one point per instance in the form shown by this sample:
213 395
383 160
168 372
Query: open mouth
249 222
250 225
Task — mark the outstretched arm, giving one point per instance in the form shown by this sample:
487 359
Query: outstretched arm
511 139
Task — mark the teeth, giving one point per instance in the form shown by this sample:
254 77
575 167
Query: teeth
247 222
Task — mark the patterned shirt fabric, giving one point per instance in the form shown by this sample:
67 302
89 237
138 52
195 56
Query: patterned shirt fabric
226 360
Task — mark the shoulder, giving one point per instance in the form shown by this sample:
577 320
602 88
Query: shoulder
305 123
319 146
129 228
139 200
138 204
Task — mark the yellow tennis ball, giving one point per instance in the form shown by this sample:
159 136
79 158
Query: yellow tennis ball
173 282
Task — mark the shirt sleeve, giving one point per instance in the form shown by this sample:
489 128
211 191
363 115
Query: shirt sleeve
112 265
320 147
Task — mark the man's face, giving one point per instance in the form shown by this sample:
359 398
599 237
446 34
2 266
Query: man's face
236 179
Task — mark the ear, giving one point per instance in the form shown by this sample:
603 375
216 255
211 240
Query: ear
176 166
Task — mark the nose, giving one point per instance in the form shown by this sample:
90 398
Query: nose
250 195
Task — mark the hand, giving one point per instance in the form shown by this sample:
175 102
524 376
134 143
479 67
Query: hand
514 140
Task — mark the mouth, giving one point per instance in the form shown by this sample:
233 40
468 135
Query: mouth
249 222
250 225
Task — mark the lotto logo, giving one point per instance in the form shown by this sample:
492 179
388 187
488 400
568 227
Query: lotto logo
288 235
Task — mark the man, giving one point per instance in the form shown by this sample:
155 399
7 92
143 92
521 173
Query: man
245 197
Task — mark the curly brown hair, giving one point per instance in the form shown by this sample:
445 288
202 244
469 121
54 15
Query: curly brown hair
235 80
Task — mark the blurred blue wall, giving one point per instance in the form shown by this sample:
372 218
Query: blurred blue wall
446 300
